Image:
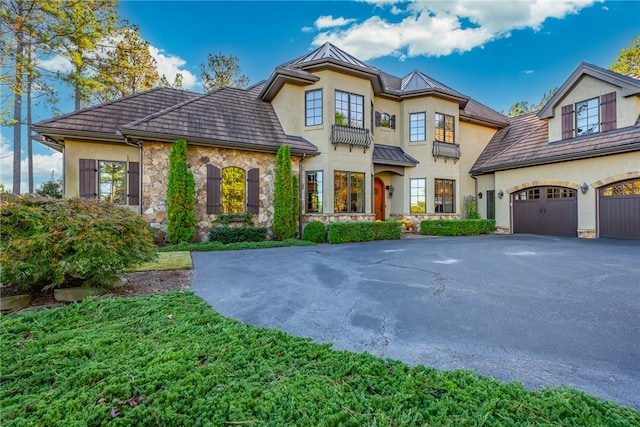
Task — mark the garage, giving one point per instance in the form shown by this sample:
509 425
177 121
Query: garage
546 210
619 210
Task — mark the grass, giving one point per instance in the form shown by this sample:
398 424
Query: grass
176 260
217 246
168 359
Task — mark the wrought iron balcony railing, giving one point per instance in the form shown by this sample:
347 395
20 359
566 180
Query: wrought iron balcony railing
446 150
353 137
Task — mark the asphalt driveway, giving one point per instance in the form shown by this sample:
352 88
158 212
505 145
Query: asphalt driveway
541 310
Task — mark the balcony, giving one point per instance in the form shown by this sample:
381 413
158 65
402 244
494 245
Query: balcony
353 137
446 150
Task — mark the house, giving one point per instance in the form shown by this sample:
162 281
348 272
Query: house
572 168
365 145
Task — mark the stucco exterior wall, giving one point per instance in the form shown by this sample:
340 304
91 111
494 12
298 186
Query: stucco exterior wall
595 172
587 87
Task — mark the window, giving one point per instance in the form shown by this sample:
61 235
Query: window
313 107
418 193
444 190
530 194
233 190
587 117
112 186
385 120
348 195
417 127
560 193
314 191
444 128
349 109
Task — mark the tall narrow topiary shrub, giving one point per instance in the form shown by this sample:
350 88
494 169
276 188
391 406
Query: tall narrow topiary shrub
283 225
295 190
181 196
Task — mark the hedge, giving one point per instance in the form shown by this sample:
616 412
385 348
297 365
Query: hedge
457 227
315 232
344 232
228 235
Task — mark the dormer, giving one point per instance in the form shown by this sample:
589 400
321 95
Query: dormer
592 100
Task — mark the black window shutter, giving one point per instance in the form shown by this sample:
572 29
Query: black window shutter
134 183
567 121
393 122
87 179
378 118
253 191
608 106
214 180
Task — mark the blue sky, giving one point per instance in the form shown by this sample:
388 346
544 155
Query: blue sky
497 52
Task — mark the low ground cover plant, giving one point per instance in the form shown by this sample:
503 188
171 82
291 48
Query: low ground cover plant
217 246
315 232
227 235
344 232
168 359
457 227
46 242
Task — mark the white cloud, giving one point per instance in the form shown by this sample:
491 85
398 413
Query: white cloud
170 65
43 165
440 28
528 71
330 22
57 63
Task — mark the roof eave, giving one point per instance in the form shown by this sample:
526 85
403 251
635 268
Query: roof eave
394 163
278 78
56 133
482 121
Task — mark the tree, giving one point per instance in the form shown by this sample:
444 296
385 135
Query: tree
222 71
126 68
283 224
51 188
522 107
628 59
295 190
177 81
181 196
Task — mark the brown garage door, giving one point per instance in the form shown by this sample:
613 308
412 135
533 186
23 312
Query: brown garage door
546 210
620 210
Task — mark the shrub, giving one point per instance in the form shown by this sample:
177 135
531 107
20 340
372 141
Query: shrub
283 225
47 242
343 232
228 235
181 196
471 208
457 227
314 232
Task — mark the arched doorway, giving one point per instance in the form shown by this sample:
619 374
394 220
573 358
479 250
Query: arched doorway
378 199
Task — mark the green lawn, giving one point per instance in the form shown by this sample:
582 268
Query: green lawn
169 360
177 260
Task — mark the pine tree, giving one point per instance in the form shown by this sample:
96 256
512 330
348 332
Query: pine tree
181 196
283 225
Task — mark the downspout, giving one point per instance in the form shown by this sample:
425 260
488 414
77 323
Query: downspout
139 147
300 187
475 193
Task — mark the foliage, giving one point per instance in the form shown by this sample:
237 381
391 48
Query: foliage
217 246
522 107
295 189
227 235
168 359
222 71
419 207
181 196
177 81
51 188
283 225
315 231
46 242
227 218
457 227
341 119
628 59
126 68
233 190
344 232
471 208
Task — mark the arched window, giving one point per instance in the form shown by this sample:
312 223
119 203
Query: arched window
233 190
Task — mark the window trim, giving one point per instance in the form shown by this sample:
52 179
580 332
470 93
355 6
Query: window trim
124 181
349 119
419 198
424 127
318 192
445 133
597 116
314 108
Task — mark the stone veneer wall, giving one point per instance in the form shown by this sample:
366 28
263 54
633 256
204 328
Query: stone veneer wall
155 172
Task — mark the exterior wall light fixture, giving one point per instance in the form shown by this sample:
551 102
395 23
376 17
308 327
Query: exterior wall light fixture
500 194
390 190
480 195
584 188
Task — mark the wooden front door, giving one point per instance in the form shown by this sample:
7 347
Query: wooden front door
378 199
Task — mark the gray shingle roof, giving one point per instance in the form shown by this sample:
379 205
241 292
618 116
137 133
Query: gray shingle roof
390 155
106 119
525 143
227 117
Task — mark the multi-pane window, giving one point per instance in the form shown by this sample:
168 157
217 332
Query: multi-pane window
233 190
530 194
112 182
314 191
313 107
587 117
418 194
348 193
444 125
444 195
417 126
349 109
560 193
